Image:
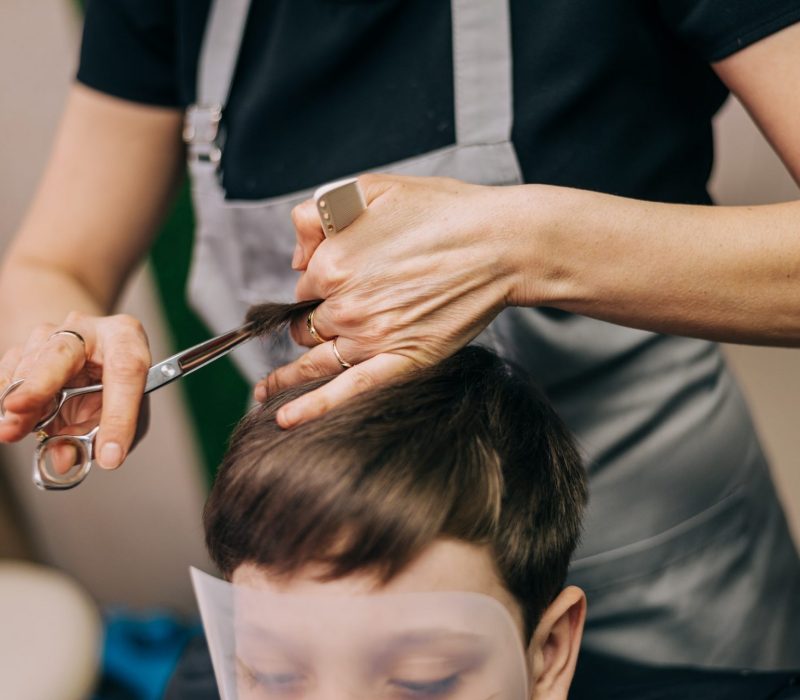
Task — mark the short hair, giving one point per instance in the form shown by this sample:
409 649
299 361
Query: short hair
467 449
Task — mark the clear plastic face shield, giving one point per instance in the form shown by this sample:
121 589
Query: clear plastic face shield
382 646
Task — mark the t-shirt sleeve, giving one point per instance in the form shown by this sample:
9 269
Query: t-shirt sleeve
129 50
718 28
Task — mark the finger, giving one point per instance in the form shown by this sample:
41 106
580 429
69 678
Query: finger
374 185
318 362
10 425
332 270
309 285
308 231
299 328
372 373
57 361
126 360
30 350
309 228
8 365
23 407
62 457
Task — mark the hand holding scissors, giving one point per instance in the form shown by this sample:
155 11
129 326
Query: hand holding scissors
62 461
77 451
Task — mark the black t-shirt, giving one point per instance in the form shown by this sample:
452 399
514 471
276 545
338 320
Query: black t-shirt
609 95
602 677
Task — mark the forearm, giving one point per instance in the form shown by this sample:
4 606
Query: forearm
31 294
723 273
109 180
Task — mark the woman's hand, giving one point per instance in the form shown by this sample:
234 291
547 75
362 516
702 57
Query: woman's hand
116 352
419 275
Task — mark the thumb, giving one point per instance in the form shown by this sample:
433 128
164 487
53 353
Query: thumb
308 231
308 227
373 185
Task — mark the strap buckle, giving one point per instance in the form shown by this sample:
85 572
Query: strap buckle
201 132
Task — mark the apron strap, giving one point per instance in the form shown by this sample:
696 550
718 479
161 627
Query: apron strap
219 55
482 66
220 51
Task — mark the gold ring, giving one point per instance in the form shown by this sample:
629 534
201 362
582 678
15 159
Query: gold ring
344 363
74 334
313 331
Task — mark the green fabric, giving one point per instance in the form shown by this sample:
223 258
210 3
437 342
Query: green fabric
217 395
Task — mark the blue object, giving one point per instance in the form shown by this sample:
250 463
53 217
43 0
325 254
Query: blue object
140 652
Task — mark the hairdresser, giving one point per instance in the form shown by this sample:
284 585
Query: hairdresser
609 276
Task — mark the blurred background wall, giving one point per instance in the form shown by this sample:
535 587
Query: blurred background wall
129 536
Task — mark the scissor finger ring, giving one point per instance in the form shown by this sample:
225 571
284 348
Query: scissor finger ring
11 387
44 461
59 399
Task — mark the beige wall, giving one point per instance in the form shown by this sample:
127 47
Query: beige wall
129 535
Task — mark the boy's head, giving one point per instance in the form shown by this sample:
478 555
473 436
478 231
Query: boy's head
461 478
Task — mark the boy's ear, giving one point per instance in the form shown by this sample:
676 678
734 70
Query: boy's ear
553 651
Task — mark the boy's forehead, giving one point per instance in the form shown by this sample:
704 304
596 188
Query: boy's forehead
446 565
353 635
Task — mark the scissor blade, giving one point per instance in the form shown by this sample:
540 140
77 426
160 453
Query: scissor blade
187 361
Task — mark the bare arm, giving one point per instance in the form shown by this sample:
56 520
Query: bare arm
111 175
724 273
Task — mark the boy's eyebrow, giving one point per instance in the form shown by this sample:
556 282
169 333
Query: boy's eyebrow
437 638
469 646
258 635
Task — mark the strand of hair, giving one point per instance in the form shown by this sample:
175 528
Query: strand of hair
272 317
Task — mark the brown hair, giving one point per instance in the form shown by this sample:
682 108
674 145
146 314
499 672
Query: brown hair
467 449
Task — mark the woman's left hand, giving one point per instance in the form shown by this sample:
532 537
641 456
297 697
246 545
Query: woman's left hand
416 277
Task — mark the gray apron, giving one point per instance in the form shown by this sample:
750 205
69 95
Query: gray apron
686 556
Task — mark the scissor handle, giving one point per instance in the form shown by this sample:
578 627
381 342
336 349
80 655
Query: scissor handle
11 387
59 399
45 477
58 402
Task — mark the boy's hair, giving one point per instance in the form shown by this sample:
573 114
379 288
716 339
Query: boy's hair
467 449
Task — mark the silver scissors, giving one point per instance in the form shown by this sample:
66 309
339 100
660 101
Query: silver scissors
160 374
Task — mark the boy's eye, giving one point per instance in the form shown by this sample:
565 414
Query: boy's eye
273 682
281 682
426 689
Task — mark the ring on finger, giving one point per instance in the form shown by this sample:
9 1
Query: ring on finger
313 331
74 334
344 363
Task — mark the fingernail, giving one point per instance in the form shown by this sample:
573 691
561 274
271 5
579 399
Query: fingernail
260 393
110 455
287 417
297 257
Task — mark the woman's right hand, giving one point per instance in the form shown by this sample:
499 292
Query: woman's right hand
116 352
110 178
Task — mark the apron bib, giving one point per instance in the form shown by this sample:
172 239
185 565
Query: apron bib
686 557
243 249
